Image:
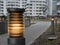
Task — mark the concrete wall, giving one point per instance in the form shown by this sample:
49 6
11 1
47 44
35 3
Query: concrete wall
3 27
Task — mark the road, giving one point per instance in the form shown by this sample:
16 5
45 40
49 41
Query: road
31 33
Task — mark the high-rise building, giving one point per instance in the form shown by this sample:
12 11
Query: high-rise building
1 7
52 7
4 4
16 3
23 3
12 4
58 7
33 7
36 8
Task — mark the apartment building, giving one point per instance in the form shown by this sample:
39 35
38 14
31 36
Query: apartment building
1 7
4 4
12 4
36 8
33 7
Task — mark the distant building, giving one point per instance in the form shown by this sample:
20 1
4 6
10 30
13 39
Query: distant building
4 4
12 4
23 3
58 7
16 3
36 8
33 7
52 10
1 7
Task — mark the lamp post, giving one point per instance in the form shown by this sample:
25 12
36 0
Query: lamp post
56 22
52 37
52 25
15 26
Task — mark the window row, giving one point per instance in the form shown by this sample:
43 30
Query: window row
12 4
1 1
38 1
1 4
36 13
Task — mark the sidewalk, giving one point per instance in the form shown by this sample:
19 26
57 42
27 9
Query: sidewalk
34 31
31 33
3 39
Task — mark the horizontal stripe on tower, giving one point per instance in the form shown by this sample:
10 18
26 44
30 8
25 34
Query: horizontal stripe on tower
16 22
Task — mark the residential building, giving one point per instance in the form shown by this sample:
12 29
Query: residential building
32 7
1 7
58 7
36 8
4 4
12 4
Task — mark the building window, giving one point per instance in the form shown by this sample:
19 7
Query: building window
37 10
37 7
30 10
1 7
37 1
37 4
39 13
1 4
30 4
40 7
40 10
30 13
1 1
1 10
30 7
24 0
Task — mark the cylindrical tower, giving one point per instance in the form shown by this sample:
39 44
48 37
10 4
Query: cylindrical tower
16 26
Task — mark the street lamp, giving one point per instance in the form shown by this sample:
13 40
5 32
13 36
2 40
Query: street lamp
52 25
52 36
52 19
56 22
15 26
